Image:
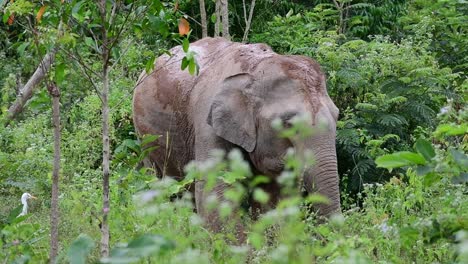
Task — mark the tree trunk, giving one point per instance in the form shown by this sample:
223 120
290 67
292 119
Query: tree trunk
203 19
248 21
225 18
105 165
218 17
27 91
54 212
341 22
105 135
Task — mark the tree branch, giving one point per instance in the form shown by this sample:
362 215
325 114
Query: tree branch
26 92
203 19
248 21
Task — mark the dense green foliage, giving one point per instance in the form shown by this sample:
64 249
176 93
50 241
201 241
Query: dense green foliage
396 70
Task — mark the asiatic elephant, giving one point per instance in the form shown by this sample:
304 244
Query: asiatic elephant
230 104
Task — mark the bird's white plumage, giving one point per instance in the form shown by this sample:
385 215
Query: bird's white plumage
24 201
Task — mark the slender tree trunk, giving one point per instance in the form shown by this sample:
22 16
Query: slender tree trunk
203 19
54 212
248 21
105 136
105 165
27 91
218 17
341 22
225 19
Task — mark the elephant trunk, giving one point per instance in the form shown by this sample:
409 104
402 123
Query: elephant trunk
322 177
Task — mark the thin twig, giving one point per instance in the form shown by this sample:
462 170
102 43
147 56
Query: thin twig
85 70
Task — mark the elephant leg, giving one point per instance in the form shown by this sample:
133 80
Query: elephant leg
204 199
274 192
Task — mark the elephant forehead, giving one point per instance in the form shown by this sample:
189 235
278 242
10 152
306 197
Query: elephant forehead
306 71
293 103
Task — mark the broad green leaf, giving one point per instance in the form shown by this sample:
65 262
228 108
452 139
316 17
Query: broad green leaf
259 180
6 15
412 157
425 148
192 67
157 4
460 158
317 199
22 47
80 249
148 138
184 64
185 44
462 179
261 196
150 65
400 159
60 73
77 12
423 170
451 130
90 42
148 244
213 18
14 214
409 235
430 179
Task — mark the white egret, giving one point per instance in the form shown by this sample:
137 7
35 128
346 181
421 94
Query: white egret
24 201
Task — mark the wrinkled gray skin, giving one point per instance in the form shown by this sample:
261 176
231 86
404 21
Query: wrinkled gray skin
240 89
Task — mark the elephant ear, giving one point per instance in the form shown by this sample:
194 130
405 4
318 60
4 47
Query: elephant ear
231 113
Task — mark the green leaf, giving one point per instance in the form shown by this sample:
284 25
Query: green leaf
90 42
22 47
462 179
6 15
148 244
259 180
141 247
460 158
80 249
213 18
390 161
184 64
157 4
400 159
414 158
148 138
192 67
14 213
317 199
409 235
185 44
430 179
256 240
150 65
451 130
425 148
77 12
261 196
423 170
60 73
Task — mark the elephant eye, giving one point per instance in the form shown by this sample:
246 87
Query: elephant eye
286 118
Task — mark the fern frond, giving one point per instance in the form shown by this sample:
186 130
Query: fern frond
392 120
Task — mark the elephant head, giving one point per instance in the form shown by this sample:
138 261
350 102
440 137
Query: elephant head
281 88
